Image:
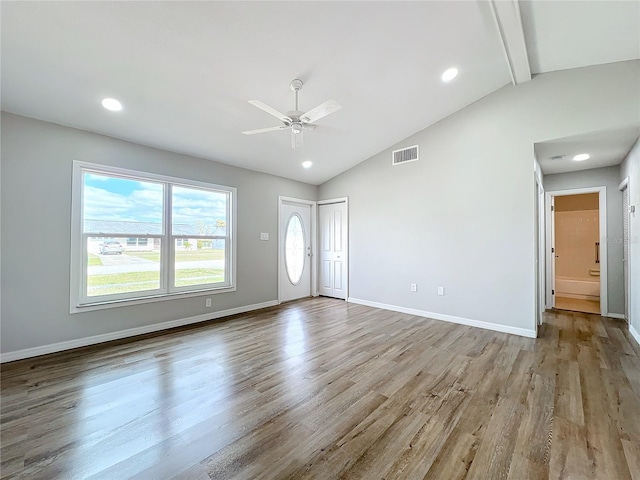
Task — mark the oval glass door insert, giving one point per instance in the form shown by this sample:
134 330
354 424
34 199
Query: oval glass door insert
294 253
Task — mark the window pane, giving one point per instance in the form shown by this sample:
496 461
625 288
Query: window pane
114 269
199 212
199 262
294 253
113 205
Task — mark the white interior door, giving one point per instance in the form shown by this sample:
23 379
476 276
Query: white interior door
333 250
625 249
553 254
295 250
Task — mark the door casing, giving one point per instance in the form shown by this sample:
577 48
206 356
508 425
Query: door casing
624 187
550 242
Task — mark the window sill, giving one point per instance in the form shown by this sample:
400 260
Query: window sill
103 305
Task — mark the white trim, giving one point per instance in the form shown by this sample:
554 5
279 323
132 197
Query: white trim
333 200
634 334
313 229
602 212
523 332
615 315
539 256
623 184
330 201
130 332
626 242
90 307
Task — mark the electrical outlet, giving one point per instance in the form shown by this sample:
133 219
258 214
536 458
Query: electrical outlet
207 302
414 287
440 290
264 236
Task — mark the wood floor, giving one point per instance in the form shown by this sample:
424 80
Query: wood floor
577 304
324 389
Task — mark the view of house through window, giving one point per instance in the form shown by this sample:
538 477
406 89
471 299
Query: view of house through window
143 236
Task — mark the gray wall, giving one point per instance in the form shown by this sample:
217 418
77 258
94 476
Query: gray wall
631 168
36 208
602 177
463 216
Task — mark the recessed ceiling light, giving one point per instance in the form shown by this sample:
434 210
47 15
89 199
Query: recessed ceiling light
307 164
111 104
581 156
449 74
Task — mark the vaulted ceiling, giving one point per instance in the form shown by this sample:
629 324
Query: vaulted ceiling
184 71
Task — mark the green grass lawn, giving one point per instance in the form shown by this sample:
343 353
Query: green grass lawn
140 281
182 255
94 260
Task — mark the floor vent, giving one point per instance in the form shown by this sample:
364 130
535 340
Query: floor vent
404 155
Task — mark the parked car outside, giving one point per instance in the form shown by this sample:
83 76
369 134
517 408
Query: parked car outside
111 246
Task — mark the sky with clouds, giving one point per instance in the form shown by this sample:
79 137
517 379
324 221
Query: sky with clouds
122 199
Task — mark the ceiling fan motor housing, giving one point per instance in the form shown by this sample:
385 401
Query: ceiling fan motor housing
296 84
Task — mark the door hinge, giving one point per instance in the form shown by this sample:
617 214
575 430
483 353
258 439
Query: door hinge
553 250
552 208
553 292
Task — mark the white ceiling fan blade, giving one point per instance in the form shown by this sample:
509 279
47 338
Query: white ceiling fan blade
320 111
263 130
270 110
296 139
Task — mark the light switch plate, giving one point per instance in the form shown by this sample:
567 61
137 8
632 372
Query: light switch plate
440 290
264 236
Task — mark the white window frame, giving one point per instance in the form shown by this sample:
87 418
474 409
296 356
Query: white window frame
79 302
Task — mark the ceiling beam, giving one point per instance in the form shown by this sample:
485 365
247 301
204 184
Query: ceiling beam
508 21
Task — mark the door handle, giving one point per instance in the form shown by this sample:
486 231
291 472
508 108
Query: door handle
597 252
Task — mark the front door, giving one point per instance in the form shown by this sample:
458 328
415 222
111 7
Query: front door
295 250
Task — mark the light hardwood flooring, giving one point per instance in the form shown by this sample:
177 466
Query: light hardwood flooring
325 389
578 305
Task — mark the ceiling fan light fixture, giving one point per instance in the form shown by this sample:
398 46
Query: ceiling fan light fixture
296 127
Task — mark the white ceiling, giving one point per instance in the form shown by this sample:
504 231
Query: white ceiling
605 148
185 71
572 34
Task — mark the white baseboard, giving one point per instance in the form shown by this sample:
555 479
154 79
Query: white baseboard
131 332
523 332
615 315
634 333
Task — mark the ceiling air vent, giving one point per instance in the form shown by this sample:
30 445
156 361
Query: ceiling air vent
557 157
404 155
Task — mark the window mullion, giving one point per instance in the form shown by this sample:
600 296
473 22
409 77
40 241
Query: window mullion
169 264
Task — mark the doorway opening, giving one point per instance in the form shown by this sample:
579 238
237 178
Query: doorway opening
578 257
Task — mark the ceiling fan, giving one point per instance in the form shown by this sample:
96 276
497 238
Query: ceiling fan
295 120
